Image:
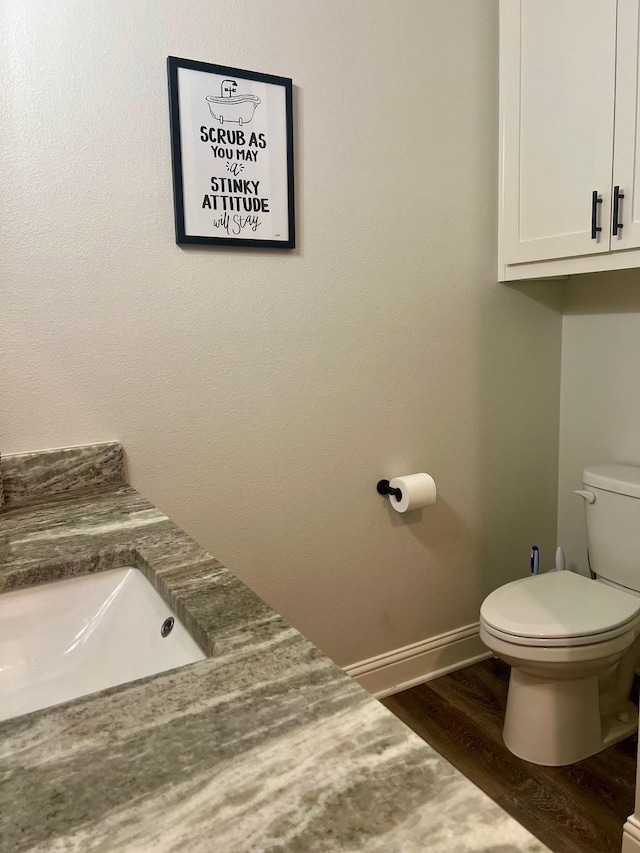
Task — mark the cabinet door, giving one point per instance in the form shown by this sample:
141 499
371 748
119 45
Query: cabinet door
626 160
557 86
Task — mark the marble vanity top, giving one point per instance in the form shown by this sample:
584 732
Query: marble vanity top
264 746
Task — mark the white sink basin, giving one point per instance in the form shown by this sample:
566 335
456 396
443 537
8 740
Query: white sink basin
66 639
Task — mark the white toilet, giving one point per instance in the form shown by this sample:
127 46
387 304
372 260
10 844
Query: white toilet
573 643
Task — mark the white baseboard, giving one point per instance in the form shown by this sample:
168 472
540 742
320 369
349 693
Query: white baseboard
631 835
405 667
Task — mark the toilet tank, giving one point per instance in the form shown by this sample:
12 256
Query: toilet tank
613 523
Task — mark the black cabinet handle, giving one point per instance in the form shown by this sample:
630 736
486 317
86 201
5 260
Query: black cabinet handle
617 225
595 201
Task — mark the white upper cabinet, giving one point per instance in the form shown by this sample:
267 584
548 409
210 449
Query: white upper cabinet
558 106
569 135
626 160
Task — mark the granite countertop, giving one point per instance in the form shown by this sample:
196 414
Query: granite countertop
264 746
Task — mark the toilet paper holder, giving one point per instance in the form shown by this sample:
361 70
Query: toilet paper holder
383 488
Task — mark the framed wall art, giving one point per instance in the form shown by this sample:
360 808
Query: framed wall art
232 155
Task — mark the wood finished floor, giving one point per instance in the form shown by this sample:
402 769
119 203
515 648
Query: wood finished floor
576 809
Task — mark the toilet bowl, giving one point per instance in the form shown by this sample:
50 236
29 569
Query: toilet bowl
573 644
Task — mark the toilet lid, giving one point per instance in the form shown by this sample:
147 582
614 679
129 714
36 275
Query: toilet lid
556 605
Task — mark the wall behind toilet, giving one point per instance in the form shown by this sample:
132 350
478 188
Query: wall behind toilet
600 393
261 394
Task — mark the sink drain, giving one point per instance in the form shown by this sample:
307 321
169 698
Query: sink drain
167 626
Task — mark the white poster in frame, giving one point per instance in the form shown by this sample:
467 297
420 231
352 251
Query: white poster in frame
232 155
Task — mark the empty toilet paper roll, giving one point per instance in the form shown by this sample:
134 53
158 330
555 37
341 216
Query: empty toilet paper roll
417 490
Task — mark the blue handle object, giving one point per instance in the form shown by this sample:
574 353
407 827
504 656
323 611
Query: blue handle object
534 561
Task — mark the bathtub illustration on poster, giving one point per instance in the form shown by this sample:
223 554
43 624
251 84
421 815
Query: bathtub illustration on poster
231 108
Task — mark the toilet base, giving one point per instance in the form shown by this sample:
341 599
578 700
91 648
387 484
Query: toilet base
558 722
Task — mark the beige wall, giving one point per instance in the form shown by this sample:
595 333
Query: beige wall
600 398
260 395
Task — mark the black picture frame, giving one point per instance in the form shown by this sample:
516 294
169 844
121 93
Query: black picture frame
184 187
